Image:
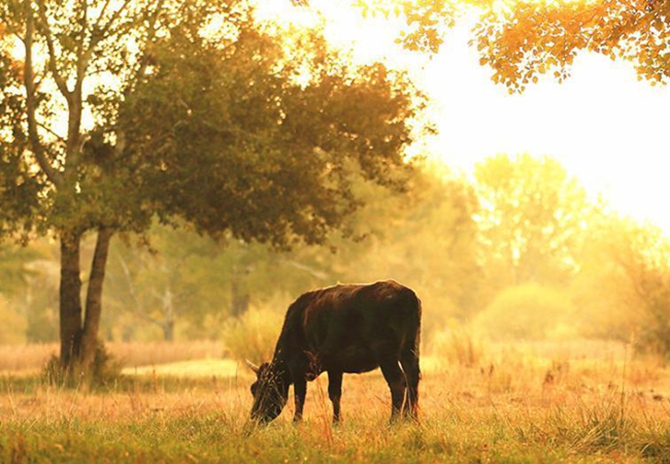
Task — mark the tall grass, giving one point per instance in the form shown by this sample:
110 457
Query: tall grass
589 415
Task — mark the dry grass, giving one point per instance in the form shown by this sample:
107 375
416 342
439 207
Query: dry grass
520 407
25 357
31 358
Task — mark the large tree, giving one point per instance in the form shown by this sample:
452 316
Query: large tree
185 110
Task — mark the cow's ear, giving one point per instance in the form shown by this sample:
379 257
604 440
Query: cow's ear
252 366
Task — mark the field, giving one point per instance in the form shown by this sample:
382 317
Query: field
585 402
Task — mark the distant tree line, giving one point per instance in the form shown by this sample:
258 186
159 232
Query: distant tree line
521 250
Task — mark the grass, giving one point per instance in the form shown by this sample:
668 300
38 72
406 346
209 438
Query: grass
33 357
520 407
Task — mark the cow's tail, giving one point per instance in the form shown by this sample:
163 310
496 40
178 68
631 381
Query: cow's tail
417 327
410 354
412 312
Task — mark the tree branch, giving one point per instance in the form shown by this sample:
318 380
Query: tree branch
46 31
52 132
102 13
31 106
105 29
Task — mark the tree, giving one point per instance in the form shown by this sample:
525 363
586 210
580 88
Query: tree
185 110
524 38
535 37
532 218
623 287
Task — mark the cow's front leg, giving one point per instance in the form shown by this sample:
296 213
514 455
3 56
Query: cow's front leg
300 392
335 393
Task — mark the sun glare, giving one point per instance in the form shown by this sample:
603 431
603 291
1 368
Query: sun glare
368 38
588 123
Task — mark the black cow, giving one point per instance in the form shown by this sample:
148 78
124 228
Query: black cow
345 328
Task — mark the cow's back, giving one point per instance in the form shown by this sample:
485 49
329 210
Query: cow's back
348 327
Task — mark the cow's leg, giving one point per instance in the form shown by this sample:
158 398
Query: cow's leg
409 359
300 392
395 378
335 392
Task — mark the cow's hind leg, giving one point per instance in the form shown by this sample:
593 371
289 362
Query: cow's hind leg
409 359
335 392
395 378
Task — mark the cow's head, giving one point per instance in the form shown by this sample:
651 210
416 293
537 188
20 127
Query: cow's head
270 391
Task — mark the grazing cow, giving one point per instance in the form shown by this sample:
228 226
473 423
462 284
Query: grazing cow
344 329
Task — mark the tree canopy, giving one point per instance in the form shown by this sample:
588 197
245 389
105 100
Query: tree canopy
191 111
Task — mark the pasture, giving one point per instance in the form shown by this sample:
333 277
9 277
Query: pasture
565 402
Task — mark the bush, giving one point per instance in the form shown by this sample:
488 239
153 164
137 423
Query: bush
104 371
530 312
253 335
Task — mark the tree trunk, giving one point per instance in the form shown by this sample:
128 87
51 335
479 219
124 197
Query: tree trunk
70 299
239 295
169 316
168 331
94 298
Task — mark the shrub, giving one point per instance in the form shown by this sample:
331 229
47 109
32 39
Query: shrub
105 371
253 335
531 312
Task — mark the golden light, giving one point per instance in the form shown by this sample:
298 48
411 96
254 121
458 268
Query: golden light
602 124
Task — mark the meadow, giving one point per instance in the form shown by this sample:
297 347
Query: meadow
581 402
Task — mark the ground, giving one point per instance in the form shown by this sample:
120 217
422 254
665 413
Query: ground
517 406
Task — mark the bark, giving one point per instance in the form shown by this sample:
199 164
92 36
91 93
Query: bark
94 298
70 298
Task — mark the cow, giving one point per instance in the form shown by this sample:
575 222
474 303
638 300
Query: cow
341 329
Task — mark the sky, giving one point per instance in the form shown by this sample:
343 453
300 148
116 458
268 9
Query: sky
604 125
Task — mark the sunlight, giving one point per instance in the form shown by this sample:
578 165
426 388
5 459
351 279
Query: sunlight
588 122
368 38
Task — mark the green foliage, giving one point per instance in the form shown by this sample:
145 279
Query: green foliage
183 117
530 312
253 335
232 119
